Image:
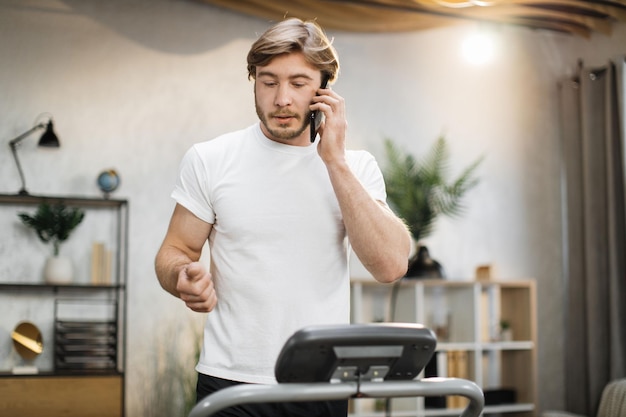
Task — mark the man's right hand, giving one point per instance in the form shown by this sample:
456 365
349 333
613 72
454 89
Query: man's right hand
196 289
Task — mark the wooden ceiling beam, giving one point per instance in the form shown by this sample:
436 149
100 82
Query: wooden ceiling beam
576 17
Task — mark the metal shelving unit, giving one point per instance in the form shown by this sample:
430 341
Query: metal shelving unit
87 391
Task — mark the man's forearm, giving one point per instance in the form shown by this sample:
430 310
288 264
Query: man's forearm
379 238
168 264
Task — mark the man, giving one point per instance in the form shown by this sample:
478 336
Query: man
280 214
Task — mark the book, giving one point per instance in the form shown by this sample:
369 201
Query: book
101 259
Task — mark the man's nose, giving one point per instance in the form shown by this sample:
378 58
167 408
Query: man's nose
283 96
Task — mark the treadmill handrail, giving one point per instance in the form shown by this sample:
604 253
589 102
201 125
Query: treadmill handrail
429 387
320 391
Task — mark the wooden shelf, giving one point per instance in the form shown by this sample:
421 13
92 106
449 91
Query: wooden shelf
467 315
453 412
56 395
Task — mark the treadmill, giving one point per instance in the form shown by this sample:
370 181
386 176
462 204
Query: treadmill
337 362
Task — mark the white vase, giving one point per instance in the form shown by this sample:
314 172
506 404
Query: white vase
506 335
58 270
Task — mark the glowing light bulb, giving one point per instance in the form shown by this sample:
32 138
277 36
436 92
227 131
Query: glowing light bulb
478 49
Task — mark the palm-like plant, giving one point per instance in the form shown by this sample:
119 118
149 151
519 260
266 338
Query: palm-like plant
53 223
419 191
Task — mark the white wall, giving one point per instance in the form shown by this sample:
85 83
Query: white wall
132 84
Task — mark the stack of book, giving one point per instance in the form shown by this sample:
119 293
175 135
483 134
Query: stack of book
458 367
85 345
451 364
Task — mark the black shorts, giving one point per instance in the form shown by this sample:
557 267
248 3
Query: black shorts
208 385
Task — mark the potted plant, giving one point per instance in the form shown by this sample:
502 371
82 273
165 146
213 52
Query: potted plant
419 192
506 332
54 224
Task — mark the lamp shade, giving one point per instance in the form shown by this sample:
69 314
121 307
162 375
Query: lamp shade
49 139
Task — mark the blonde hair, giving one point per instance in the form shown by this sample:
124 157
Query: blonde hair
294 35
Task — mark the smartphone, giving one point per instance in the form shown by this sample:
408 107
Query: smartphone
316 116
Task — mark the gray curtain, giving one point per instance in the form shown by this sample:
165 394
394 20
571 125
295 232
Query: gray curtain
592 118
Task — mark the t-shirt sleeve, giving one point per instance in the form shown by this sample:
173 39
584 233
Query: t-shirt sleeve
368 172
191 189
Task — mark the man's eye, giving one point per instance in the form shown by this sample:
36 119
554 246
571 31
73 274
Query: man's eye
270 84
299 85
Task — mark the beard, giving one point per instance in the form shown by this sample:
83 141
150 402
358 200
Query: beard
283 132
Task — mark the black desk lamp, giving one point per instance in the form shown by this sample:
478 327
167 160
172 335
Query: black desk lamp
48 139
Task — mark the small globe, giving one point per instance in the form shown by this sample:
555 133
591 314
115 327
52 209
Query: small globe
108 181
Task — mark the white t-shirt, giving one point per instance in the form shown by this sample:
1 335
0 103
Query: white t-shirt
279 251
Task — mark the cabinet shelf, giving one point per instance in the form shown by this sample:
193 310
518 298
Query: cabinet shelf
466 317
32 200
54 374
89 377
429 412
11 286
445 346
486 346
509 408
516 345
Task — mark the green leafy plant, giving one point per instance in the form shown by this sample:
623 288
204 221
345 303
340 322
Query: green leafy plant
53 223
419 190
